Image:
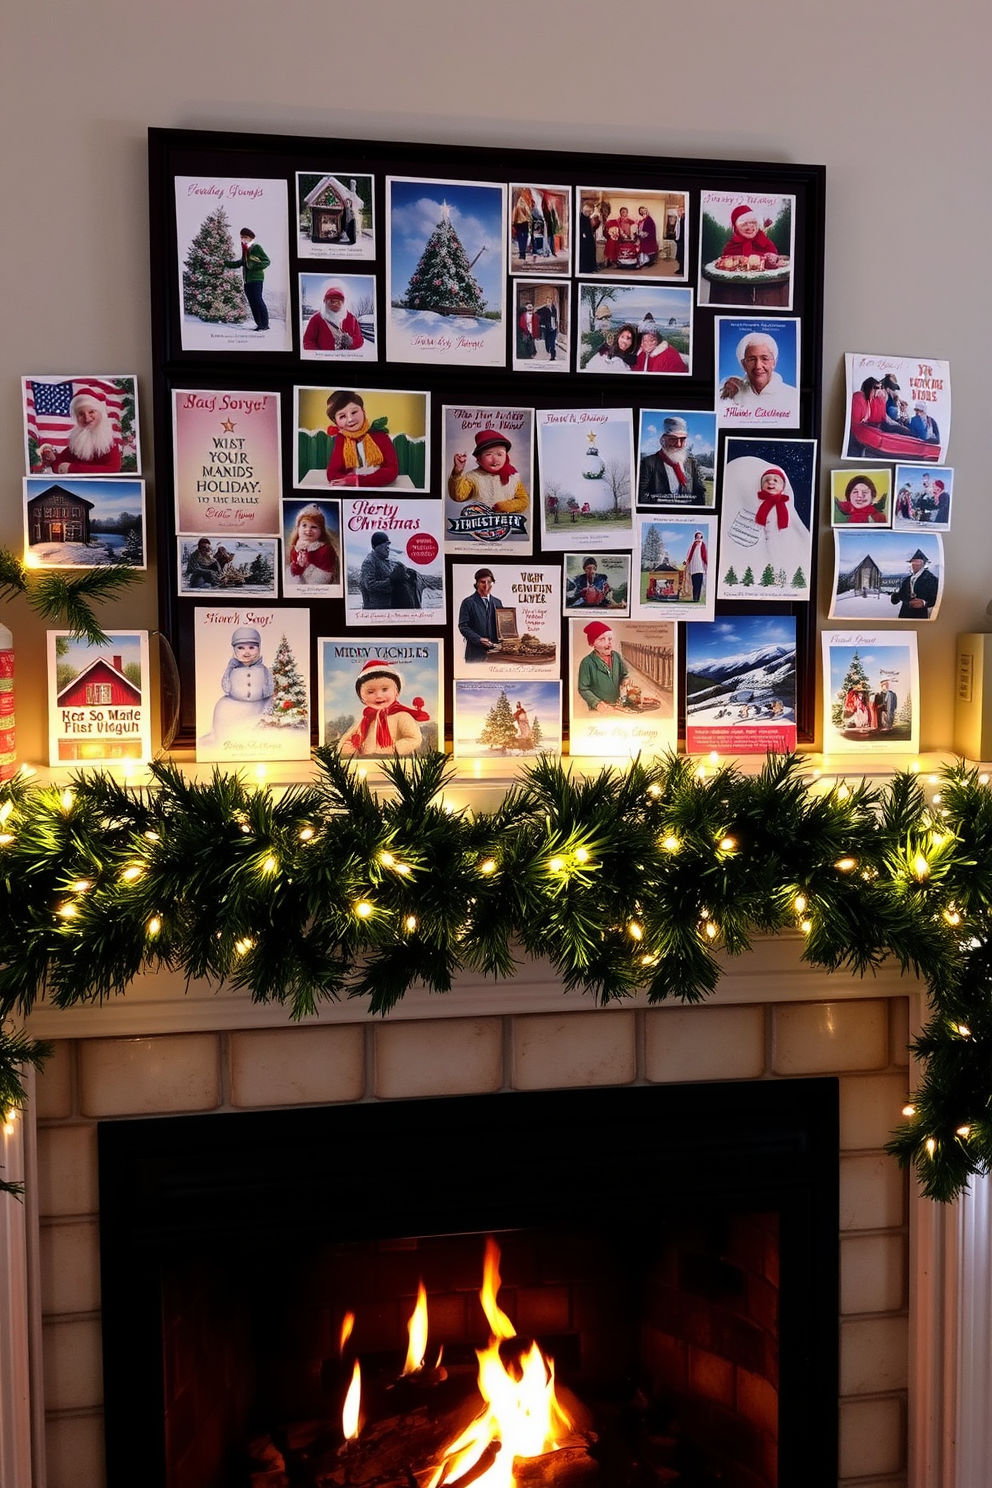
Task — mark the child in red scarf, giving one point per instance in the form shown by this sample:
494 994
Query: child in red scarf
362 453
386 727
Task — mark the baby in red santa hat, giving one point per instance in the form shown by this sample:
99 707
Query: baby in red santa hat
386 726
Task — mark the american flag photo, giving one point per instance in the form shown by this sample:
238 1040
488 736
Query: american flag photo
49 420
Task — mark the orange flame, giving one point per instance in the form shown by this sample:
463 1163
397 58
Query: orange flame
352 1405
347 1323
417 1330
521 1416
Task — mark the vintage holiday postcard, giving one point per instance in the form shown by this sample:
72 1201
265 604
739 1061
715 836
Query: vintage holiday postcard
83 523
252 683
379 699
487 462
334 215
898 408
517 718
586 462
746 249
227 461
508 625
766 520
861 498
596 581
232 238
635 328
542 326
676 461
887 575
362 439
623 232
230 566
338 318
99 705
540 240
757 373
674 568
740 685
394 564
923 498
445 271
81 425
311 546
623 687
871 692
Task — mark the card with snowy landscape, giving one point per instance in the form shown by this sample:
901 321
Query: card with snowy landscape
623 687
540 240
518 612
252 683
337 318
81 425
766 519
674 567
635 328
923 498
676 464
757 373
334 215
541 326
227 461
311 545
871 692
518 719
99 704
232 236
597 581
83 523
364 438
586 462
394 564
487 462
740 685
445 268
746 249
898 408
887 576
230 565
622 231
380 699
861 498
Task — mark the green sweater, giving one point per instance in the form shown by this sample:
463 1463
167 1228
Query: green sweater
599 683
254 266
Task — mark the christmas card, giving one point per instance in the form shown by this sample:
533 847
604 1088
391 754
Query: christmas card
361 439
540 238
871 692
335 215
887 575
507 720
227 461
99 710
394 565
757 373
232 237
623 687
674 567
311 546
746 249
542 322
83 523
445 268
509 625
766 519
379 699
338 318
624 232
252 683
586 462
898 408
598 582
861 498
923 498
487 464
229 567
740 685
635 328
81 425
676 461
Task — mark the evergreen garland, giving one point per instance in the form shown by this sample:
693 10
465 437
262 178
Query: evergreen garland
629 879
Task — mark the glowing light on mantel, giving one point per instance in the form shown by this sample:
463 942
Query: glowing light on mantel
417 1332
352 1405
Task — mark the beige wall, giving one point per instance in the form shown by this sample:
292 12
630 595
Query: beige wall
890 99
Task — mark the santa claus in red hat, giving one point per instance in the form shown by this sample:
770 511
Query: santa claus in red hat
93 447
748 236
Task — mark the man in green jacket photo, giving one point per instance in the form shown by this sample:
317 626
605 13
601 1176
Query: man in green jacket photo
253 263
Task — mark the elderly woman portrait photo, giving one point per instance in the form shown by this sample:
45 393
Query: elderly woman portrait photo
757 372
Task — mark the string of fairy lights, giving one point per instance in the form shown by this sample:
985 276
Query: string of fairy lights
643 878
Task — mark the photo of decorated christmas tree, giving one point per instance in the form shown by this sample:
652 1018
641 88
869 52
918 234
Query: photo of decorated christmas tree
289 706
491 722
209 291
443 279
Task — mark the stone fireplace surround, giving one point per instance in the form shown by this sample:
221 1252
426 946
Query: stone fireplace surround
905 1416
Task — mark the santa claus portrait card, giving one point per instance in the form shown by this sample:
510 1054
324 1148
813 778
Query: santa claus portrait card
746 249
380 699
487 463
99 710
232 237
586 461
766 519
227 466
393 561
81 425
445 271
676 462
674 568
335 214
252 683
338 318
623 687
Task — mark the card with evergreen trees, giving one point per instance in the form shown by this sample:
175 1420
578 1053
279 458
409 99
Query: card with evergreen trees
871 691
227 566
252 683
766 519
518 718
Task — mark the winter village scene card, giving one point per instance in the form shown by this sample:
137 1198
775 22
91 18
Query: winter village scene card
337 318
83 523
540 240
81 425
311 546
898 408
487 463
746 249
252 683
362 438
623 687
232 237
635 328
334 215
507 620
379 699
394 563
233 566
861 498
227 461
445 271
923 498
740 685
99 710
871 692
676 463
586 462
626 233
519 718
757 373
542 328
675 564
597 581
766 541
887 576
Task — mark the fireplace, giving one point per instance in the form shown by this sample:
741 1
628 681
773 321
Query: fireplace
673 1249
